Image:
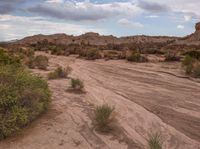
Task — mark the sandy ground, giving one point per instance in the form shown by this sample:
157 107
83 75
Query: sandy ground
148 98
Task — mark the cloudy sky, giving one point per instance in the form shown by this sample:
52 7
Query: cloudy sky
20 18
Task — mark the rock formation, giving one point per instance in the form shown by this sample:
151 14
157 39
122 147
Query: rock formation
197 26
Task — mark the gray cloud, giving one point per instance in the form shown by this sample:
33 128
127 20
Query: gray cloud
84 11
67 14
7 6
153 7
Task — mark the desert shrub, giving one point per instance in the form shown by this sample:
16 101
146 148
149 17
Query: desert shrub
41 62
171 57
136 57
196 70
23 97
90 54
77 84
193 53
30 63
154 141
59 73
152 51
191 65
188 60
6 59
103 117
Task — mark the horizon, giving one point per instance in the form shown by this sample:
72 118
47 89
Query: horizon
120 18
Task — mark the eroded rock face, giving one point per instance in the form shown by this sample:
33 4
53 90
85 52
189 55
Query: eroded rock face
197 26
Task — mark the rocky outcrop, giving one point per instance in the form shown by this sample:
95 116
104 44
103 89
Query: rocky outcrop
197 26
191 41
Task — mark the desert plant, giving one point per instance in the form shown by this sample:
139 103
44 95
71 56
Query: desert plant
188 60
6 59
136 57
77 84
154 141
23 97
31 63
59 73
171 57
103 116
188 63
196 70
90 54
41 62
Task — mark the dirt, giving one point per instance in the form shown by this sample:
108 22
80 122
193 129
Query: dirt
148 98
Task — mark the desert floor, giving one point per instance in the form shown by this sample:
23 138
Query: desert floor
148 98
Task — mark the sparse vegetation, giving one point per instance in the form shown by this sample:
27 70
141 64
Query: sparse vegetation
103 117
77 84
196 70
136 57
31 63
90 54
192 66
22 96
188 63
170 57
60 73
154 141
41 62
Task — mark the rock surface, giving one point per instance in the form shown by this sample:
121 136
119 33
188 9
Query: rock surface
197 26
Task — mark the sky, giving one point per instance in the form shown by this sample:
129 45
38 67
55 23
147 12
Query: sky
21 18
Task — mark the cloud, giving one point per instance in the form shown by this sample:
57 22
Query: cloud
15 27
180 27
84 11
153 6
54 1
187 18
126 22
152 16
7 6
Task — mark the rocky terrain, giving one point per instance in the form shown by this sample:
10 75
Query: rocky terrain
151 97
96 39
148 98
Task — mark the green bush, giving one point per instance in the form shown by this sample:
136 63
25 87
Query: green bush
59 73
191 66
77 84
41 62
154 141
136 57
90 54
188 60
103 116
6 59
23 97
